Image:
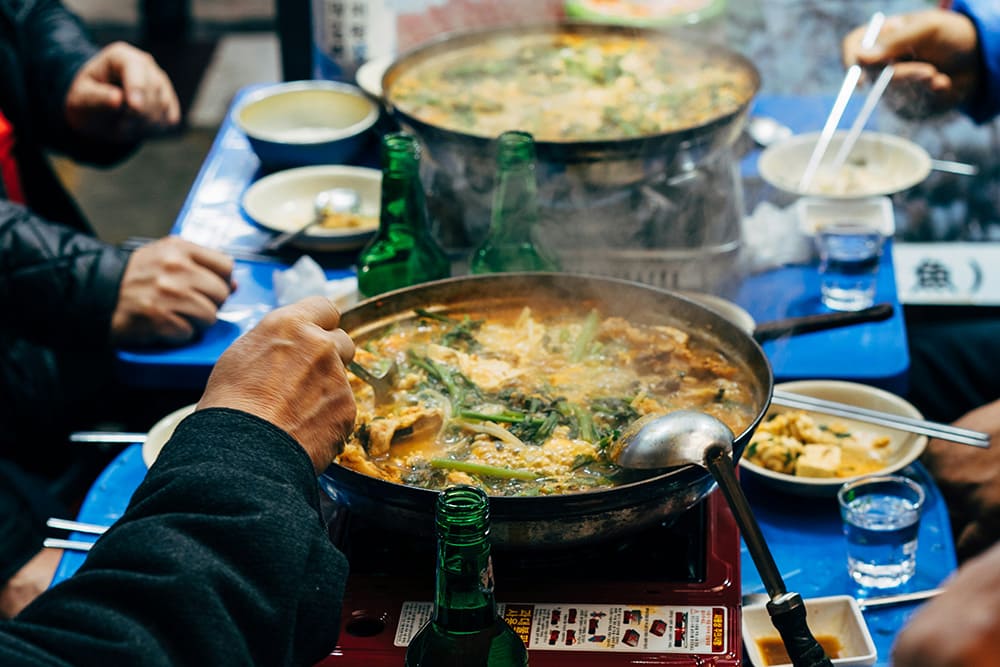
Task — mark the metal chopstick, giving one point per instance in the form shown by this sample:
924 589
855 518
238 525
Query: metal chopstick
107 437
871 101
77 526
851 78
902 598
931 429
136 242
72 545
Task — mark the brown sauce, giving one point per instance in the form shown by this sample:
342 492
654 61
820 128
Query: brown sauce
772 649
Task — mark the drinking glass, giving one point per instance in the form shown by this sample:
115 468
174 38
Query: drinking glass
849 254
881 519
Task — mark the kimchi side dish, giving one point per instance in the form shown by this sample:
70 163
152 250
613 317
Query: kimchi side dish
525 400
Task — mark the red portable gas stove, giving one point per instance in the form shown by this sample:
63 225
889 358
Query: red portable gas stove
670 595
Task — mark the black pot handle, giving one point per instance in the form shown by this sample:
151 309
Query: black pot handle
795 325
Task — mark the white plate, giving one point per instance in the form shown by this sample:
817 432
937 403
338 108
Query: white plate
836 615
284 201
369 75
904 448
161 432
892 164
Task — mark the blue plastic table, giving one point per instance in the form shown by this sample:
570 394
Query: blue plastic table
872 353
803 534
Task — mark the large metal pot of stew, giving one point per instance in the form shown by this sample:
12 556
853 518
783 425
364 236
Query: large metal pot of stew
517 383
610 107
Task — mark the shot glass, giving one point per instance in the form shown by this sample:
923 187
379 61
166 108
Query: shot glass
849 255
881 519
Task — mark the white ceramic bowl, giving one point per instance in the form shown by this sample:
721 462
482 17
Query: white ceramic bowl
369 75
904 448
890 164
161 432
306 122
284 201
836 616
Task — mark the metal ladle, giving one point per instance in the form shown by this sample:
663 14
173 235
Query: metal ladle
687 437
326 202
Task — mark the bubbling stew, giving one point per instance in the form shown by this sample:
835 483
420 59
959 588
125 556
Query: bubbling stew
563 87
525 400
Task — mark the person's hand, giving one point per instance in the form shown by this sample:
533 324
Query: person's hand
29 582
121 95
960 627
289 370
935 57
969 479
171 292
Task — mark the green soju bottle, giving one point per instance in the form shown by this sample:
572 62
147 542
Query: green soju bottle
509 245
466 630
402 252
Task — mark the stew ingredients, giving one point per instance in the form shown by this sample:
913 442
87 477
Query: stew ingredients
795 444
524 400
564 87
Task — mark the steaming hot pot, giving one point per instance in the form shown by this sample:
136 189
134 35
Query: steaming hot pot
540 522
667 179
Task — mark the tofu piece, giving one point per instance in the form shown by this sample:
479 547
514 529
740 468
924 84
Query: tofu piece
818 461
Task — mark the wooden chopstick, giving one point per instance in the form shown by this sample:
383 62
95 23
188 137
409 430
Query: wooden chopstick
922 427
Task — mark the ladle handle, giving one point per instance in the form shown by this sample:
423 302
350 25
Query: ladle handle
787 610
720 464
788 615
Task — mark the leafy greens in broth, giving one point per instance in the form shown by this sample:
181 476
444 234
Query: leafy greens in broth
573 87
524 400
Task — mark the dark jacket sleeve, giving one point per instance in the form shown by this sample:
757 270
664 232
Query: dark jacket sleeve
52 44
57 286
220 559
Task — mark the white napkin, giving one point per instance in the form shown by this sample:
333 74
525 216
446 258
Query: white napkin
305 278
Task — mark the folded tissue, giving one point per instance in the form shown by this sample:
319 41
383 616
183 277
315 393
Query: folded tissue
772 238
306 278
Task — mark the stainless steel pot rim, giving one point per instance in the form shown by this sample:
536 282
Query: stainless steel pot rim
626 494
636 145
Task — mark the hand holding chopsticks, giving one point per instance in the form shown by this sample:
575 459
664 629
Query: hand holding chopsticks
931 429
851 79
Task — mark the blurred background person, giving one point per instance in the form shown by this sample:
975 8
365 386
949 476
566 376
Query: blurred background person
945 60
72 298
68 298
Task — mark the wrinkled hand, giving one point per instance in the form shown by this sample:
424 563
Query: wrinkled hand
934 53
289 370
969 479
121 95
171 292
960 627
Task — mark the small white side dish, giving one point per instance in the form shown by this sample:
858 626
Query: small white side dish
161 432
369 75
837 616
879 164
284 201
875 212
903 449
